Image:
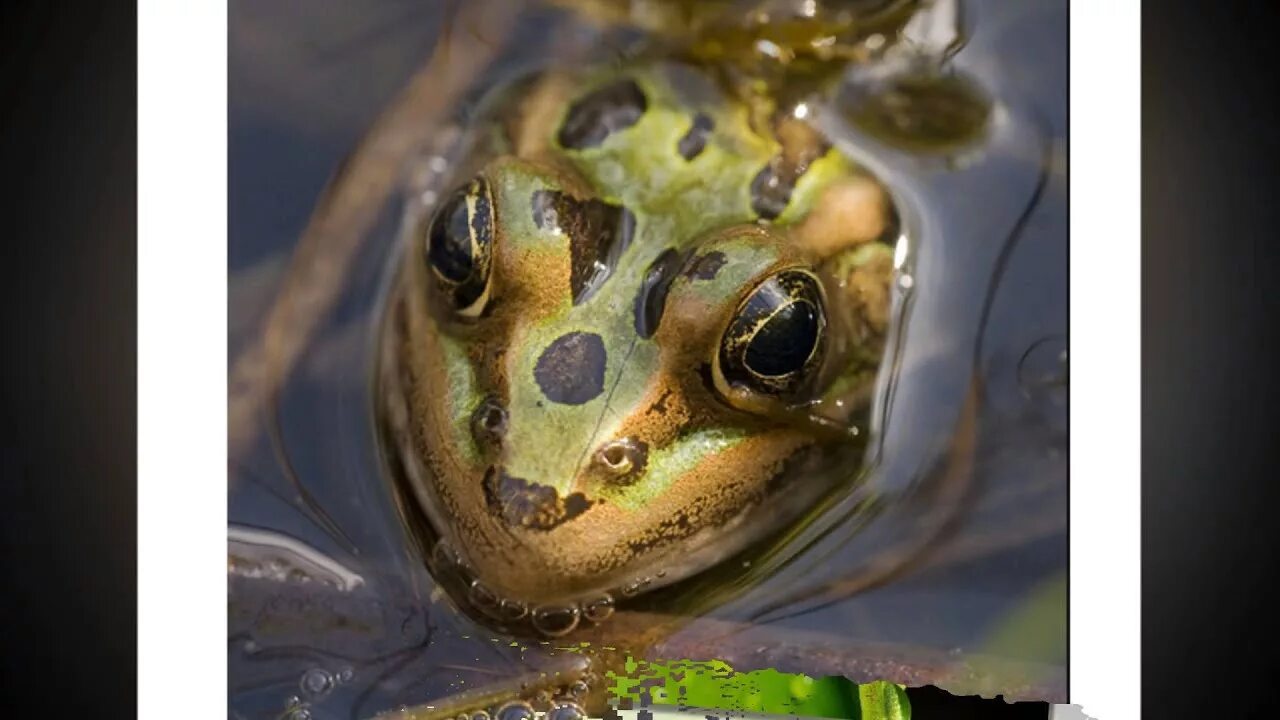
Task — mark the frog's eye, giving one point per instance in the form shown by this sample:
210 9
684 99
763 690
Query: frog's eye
776 339
459 246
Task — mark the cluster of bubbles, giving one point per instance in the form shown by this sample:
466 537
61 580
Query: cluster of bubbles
314 685
565 705
553 620
521 710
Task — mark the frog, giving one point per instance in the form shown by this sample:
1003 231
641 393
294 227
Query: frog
637 335
632 332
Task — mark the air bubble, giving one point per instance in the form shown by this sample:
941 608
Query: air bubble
316 682
512 610
555 621
578 690
295 709
599 610
566 711
514 711
483 598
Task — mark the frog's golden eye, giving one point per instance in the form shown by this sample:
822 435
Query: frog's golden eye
776 339
459 246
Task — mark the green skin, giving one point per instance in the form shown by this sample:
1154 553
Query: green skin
715 449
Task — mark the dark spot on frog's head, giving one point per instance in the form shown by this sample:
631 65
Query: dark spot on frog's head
571 370
773 185
599 113
520 503
771 192
652 297
598 232
575 505
695 141
705 267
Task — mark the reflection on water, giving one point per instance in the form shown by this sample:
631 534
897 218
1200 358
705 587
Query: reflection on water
331 611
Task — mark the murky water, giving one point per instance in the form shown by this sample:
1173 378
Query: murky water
331 611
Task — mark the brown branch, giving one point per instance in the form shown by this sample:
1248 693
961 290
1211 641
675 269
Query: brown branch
347 211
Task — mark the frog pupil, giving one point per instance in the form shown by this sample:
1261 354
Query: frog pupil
449 248
785 341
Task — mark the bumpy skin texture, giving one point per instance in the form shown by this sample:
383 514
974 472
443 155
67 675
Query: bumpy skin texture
583 402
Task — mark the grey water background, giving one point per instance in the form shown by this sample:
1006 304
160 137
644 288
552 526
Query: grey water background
307 79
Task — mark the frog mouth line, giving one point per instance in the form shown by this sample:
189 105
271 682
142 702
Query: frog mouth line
523 504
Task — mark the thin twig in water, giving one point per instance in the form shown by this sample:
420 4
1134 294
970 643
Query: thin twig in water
349 206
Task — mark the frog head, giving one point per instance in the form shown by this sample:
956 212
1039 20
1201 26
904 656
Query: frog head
603 400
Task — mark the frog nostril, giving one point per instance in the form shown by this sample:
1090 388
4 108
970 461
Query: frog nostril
624 457
616 460
489 421
616 457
